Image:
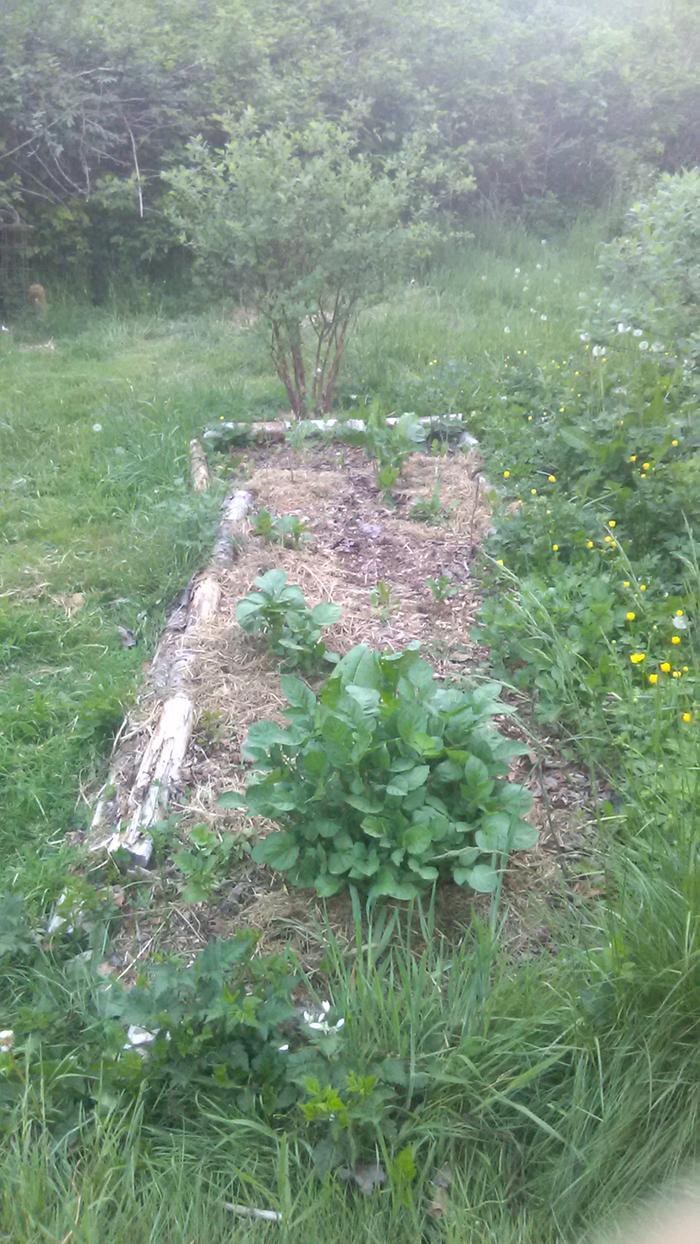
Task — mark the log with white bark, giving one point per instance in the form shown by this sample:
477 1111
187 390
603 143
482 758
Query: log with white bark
200 478
277 430
126 811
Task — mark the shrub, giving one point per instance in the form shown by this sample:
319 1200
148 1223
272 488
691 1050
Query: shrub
659 255
305 231
386 781
279 612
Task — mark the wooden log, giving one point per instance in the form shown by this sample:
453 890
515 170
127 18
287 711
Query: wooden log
161 763
124 812
277 430
200 477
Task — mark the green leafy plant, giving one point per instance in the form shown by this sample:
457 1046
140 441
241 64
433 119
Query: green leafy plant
283 529
386 781
278 611
391 445
203 865
443 587
430 509
383 600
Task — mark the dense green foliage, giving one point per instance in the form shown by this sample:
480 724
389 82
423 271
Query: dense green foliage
538 104
552 1071
304 231
386 781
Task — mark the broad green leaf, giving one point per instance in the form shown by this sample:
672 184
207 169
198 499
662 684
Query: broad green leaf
278 850
232 799
481 878
325 614
387 884
296 692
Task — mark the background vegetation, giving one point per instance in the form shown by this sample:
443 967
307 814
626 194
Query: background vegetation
503 1097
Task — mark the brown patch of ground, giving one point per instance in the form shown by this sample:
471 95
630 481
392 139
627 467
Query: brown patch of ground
357 542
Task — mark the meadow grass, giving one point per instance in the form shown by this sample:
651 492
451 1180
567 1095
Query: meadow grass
561 1087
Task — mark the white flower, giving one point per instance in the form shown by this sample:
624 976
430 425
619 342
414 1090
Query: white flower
317 1022
543 242
506 329
644 345
623 328
620 389
636 332
97 427
584 336
539 267
543 317
533 311
517 271
657 346
598 352
7 1040
680 625
138 1038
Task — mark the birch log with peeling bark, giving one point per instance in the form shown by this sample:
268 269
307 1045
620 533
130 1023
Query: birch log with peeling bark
277 430
123 815
200 477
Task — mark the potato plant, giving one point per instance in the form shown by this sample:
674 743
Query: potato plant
385 781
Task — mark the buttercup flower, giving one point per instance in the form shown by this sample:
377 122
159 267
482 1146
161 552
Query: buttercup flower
555 548
646 466
642 587
589 544
653 679
506 474
633 457
612 522
630 616
674 443
637 657
551 479
665 667
675 639
687 717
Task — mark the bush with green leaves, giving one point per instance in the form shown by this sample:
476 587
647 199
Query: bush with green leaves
305 230
655 264
386 781
277 611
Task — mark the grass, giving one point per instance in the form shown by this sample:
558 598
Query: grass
557 1089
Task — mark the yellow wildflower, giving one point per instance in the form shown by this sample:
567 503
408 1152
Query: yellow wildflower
679 613
676 674
637 657
612 522
665 667
533 492
630 616
499 561
646 466
633 457
555 549
674 443
506 474
589 544
675 639
642 587
653 679
625 582
687 717
551 479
